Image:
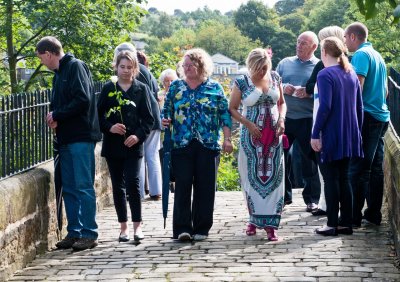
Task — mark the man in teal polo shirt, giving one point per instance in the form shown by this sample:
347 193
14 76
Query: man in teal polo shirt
366 175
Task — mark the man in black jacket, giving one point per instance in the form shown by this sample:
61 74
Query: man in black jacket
74 118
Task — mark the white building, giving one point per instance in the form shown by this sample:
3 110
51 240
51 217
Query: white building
224 65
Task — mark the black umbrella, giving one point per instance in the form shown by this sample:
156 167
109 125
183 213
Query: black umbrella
57 183
166 172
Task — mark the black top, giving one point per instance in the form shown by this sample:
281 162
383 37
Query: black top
147 78
137 119
313 78
73 102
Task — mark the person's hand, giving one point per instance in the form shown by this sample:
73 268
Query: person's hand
53 124
253 129
316 144
166 122
280 127
118 128
301 93
131 140
227 146
289 89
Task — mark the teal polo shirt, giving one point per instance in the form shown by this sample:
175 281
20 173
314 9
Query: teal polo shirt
370 64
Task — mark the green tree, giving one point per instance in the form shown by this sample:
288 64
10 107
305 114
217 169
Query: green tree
90 29
286 7
326 13
370 8
215 37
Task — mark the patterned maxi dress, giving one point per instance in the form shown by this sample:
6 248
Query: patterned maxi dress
261 168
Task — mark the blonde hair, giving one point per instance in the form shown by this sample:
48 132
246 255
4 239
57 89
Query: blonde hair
257 59
130 56
335 47
202 61
332 30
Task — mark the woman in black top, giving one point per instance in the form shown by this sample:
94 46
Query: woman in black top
126 120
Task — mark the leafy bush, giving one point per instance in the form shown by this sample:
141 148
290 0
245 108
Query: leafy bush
228 174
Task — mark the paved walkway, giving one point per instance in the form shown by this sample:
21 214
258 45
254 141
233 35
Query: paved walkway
228 254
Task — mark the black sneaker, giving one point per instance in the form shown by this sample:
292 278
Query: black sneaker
84 243
66 243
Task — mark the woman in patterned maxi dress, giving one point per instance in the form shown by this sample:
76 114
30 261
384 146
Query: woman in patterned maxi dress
261 161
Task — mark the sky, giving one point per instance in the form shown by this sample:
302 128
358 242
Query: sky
190 5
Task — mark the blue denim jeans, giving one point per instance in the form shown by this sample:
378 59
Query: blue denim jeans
366 174
77 176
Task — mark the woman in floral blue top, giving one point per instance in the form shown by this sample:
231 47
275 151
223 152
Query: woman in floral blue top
197 109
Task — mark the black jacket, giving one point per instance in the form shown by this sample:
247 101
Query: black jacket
147 78
137 119
73 102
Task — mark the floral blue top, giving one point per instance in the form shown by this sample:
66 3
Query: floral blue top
197 113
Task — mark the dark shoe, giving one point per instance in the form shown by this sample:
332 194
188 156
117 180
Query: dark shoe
288 202
326 232
146 191
311 207
318 212
66 243
344 230
370 220
84 243
155 197
123 238
184 237
138 236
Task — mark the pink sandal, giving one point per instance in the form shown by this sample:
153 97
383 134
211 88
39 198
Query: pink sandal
251 230
271 234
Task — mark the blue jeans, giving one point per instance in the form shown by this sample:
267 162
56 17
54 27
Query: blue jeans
366 174
300 130
77 176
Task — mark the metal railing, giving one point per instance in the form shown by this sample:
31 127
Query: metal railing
25 139
393 99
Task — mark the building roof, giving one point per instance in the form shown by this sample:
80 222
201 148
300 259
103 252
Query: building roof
221 59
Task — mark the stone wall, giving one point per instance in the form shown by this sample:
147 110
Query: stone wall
392 183
28 223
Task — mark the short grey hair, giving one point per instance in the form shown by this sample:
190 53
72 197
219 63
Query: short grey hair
165 73
126 46
313 36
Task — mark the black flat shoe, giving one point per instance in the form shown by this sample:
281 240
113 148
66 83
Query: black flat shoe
318 212
123 238
344 230
326 232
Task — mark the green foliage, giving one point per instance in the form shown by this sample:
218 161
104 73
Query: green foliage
227 40
286 7
89 29
228 173
382 34
162 61
120 100
326 13
370 8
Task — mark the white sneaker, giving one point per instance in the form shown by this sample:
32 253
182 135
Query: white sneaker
199 237
184 237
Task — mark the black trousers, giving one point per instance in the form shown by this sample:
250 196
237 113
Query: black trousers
338 192
300 130
195 168
125 181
